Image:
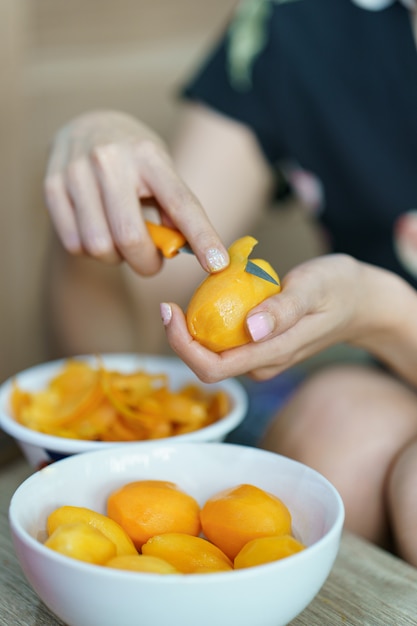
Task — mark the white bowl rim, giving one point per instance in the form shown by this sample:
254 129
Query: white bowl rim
65 445
334 531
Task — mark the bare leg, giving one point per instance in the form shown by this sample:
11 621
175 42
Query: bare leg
349 422
402 502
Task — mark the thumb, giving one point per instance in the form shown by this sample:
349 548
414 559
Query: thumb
260 325
275 315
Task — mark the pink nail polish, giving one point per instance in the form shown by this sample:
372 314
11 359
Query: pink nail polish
166 313
260 325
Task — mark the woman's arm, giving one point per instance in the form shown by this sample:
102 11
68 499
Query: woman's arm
329 300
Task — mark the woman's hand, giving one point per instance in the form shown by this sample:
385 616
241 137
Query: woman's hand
324 301
103 167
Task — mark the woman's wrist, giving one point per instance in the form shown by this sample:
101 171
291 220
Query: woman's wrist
387 320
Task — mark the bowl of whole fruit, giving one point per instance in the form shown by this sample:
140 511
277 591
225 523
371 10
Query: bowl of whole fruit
176 533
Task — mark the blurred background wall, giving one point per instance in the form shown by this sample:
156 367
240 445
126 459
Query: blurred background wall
58 59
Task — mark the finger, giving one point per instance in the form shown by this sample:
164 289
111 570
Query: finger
89 212
266 373
83 189
276 315
209 366
58 202
182 207
198 358
117 179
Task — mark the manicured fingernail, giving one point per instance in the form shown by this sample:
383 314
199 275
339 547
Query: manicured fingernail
166 313
216 260
260 325
100 244
72 242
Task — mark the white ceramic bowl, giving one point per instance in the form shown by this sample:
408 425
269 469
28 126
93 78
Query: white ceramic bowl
40 449
89 595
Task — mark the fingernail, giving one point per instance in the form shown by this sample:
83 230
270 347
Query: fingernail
260 325
216 260
72 242
100 244
166 313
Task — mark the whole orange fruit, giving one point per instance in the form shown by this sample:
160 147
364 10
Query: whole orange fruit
217 311
237 515
146 508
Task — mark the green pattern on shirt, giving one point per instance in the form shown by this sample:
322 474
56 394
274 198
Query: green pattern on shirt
247 37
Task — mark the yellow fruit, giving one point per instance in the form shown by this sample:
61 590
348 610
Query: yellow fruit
142 563
217 311
83 542
150 507
237 515
266 550
109 528
188 554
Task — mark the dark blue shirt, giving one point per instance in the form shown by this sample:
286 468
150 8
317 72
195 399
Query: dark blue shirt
332 87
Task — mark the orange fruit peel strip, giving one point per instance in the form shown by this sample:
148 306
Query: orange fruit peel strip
95 403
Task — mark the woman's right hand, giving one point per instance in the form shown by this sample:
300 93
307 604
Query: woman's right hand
103 167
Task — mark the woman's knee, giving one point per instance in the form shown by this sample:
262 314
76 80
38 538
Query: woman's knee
321 406
350 424
343 404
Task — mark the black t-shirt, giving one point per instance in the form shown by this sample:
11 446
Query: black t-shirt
331 87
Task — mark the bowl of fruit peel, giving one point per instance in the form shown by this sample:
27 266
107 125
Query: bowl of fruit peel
85 403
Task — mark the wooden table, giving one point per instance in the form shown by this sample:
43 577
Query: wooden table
367 587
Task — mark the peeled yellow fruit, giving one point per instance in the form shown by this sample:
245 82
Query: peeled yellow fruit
267 549
144 508
217 311
142 563
83 542
188 554
109 528
234 516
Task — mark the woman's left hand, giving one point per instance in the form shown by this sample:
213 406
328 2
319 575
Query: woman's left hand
327 300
